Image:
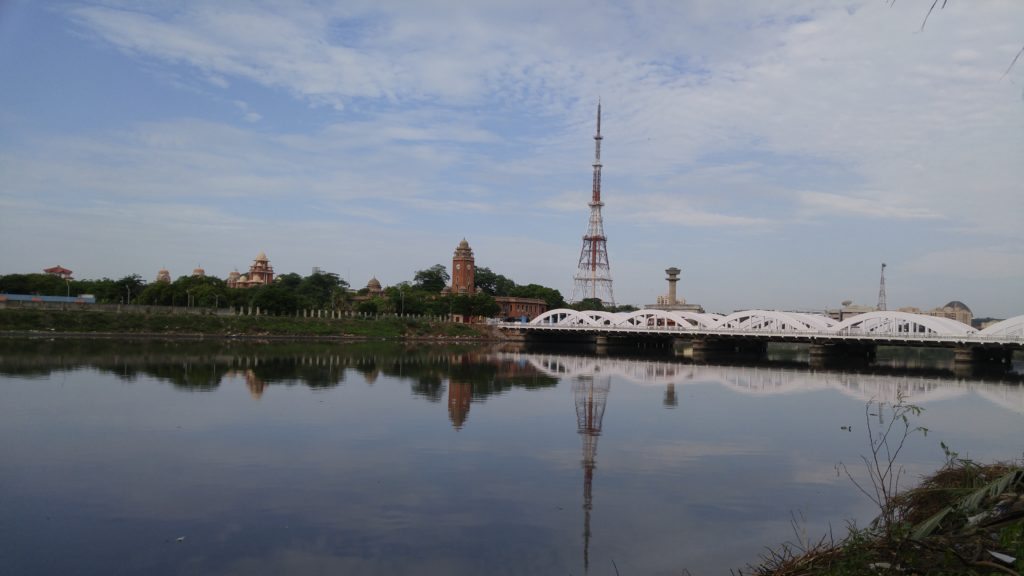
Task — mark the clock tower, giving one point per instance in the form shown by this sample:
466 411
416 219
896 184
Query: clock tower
463 270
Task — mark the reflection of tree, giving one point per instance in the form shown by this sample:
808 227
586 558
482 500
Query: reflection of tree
202 364
428 386
197 376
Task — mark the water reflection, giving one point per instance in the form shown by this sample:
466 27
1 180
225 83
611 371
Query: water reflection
383 458
591 395
919 386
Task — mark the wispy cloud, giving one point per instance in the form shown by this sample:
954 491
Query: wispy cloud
873 206
731 117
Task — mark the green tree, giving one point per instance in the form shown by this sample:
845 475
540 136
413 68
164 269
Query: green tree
589 304
433 279
129 287
493 284
276 298
320 290
553 298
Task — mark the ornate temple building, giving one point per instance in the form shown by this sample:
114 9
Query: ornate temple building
63 273
164 276
260 273
373 287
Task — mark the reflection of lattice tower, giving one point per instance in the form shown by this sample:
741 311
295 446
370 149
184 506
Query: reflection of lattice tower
881 290
593 277
590 399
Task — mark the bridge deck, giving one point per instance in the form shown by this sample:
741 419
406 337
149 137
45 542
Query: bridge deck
808 337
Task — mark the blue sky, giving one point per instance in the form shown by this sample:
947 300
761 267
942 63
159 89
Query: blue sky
777 152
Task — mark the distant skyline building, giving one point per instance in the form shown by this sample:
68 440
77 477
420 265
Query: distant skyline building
671 301
593 277
881 290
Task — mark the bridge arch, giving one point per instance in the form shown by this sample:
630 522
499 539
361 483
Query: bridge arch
1012 327
600 317
901 323
773 321
559 317
652 318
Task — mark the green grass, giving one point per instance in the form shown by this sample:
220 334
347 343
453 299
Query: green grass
87 321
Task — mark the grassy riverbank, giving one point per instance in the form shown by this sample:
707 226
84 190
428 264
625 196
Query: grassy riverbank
162 324
966 518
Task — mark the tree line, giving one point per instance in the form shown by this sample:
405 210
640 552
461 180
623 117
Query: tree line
290 293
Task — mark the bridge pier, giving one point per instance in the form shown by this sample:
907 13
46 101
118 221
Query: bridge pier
711 349
830 353
971 358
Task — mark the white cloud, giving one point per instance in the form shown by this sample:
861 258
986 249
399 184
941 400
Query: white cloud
874 206
722 116
979 263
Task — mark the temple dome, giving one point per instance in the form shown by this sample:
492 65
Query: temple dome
374 285
958 305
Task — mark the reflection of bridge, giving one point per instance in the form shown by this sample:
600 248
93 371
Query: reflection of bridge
771 380
753 329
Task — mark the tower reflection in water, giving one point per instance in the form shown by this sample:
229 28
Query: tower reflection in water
460 394
591 395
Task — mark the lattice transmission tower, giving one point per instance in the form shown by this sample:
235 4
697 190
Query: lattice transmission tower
881 290
591 397
593 277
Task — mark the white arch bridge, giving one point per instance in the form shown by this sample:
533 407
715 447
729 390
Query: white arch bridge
759 327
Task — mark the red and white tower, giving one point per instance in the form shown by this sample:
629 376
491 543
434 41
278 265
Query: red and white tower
593 277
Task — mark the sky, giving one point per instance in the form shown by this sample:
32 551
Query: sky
777 152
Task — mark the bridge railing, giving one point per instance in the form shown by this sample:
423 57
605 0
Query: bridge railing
846 334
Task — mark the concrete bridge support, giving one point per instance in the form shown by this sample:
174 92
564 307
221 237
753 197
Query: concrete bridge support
711 349
983 357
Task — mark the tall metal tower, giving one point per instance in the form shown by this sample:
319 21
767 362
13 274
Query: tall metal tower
591 398
593 277
881 290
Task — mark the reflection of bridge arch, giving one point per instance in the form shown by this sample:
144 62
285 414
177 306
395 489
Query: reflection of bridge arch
770 381
1011 327
901 323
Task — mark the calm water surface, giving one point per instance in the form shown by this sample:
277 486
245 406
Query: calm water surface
218 458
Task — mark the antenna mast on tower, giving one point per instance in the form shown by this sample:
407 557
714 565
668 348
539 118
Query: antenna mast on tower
881 290
593 277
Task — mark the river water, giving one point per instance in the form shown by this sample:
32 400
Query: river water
324 458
